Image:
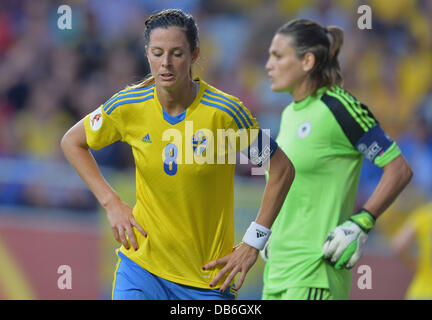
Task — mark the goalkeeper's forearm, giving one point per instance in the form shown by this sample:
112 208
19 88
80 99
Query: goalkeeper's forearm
395 178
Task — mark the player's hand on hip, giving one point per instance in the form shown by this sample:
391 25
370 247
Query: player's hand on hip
343 246
122 221
240 260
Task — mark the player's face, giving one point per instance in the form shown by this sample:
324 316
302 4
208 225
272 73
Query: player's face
284 68
170 56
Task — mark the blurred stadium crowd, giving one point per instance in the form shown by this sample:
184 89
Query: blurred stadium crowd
51 78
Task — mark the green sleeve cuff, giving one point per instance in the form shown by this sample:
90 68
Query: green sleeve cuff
392 153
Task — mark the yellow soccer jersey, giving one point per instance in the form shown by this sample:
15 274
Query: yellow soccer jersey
185 189
421 285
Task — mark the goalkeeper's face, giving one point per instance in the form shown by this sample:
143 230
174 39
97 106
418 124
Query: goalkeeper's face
285 69
170 57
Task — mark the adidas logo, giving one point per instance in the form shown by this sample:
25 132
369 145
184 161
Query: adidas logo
260 234
348 232
146 138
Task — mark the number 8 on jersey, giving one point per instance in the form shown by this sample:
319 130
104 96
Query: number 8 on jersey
170 164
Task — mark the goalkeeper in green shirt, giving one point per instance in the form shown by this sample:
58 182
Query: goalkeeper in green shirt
326 132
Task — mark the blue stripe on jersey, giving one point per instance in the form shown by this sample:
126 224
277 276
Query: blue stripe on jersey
137 89
223 109
231 101
122 95
120 98
230 106
121 102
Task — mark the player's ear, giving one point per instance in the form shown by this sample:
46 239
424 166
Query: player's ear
195 54
146 51
308 61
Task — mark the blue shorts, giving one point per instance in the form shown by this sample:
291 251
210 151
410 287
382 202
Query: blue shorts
133 282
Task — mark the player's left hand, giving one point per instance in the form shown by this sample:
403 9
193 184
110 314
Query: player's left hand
343 246
240 260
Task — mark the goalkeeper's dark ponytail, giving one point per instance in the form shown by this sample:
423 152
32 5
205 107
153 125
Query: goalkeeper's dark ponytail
324 43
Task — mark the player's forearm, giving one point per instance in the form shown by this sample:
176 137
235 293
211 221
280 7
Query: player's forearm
81 159
395 178
281 176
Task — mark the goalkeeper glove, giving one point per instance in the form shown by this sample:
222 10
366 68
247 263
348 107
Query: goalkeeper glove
343 246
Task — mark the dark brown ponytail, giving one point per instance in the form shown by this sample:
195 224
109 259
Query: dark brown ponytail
333 70
324 43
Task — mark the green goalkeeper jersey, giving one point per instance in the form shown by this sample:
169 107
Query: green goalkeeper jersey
326 136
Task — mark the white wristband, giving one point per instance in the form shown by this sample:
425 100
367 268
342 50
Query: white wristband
256 235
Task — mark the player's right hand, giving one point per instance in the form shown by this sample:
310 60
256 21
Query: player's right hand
240 260
122 221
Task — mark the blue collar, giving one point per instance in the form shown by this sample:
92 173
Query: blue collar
174 119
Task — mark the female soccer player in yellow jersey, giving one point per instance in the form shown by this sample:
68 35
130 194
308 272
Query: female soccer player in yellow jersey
417 232
326 132
184 210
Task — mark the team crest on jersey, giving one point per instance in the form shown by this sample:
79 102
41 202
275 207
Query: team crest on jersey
96 119
199 142
304 130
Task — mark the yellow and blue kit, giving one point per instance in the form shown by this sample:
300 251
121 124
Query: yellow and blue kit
421 284
184 192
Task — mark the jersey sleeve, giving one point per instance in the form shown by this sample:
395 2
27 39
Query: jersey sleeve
101 129
361 128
